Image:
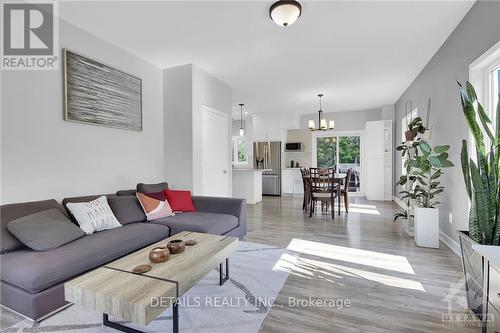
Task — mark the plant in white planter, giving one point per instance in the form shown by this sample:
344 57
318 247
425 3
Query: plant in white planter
428 167
482 182
407 193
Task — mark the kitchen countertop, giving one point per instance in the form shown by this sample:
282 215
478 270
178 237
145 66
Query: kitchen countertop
251 169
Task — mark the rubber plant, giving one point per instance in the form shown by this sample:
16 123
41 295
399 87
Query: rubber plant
428 168
409 151
481 175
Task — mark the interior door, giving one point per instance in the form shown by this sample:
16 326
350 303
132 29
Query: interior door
215 153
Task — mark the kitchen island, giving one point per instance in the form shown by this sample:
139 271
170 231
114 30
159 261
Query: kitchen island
247 184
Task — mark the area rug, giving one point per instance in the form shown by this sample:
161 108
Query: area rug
257 274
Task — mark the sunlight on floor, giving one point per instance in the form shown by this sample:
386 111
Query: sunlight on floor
352 255
333 273
362 210
362 206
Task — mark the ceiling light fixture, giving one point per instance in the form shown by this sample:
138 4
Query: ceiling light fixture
242 130
285 12
321 121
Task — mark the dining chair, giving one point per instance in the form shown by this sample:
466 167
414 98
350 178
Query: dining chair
345 191
322 188
305 182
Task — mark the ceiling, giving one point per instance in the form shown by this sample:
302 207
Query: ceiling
360 54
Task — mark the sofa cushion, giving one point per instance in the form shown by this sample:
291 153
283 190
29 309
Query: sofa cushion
45 230
149 188
180 201
85 198
35 271
95 215
127 209
153 208
209 223
14 211
126 192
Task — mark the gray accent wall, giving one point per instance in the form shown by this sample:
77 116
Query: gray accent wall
45 157
476 33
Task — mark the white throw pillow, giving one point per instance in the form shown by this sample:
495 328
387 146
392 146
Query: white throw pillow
95 215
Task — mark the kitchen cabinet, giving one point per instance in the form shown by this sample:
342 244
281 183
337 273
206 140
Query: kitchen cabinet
291 181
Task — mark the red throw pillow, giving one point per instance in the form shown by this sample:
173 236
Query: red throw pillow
180 201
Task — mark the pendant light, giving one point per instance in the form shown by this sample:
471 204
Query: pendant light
285 12
242 130
322 124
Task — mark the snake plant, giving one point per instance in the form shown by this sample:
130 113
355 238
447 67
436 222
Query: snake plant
482 175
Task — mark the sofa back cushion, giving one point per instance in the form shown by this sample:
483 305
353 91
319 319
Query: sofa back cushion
14 211
151 188
45 230
126 192
127 209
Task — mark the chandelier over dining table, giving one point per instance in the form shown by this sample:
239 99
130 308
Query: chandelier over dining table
322 122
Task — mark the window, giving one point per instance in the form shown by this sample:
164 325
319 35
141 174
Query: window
240 150
341 152
484 74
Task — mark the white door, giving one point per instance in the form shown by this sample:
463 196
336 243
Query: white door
215 153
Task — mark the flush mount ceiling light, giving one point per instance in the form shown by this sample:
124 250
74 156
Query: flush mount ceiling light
285 12
322 126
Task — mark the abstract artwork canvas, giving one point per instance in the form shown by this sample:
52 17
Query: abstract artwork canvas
97 94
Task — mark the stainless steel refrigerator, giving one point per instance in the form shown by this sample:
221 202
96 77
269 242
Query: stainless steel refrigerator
267 155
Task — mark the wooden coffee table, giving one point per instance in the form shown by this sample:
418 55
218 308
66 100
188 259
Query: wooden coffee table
114 289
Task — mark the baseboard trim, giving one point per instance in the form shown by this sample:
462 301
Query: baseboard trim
399 202
447 240
450 243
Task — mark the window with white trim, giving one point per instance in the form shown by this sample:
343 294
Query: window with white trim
484 74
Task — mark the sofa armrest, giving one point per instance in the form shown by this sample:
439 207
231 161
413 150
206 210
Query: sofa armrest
230 206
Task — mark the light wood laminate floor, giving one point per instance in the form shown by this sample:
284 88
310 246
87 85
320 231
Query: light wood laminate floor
363 257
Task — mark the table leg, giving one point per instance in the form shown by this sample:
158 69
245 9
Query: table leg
175 318
126 329
222 278
339 192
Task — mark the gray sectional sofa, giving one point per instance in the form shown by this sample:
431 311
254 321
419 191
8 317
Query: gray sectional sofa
32 282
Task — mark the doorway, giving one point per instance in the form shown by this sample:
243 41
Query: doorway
215 153
341 151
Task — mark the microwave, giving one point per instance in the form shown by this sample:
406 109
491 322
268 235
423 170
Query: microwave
294 146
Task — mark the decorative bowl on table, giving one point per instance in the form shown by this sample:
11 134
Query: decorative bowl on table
176 246
159 254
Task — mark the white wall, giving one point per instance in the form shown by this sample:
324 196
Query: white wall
212 92
44 156
344 121
478 31
186 89
178 136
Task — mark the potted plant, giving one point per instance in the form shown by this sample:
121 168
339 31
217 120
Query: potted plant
427 172
482 176
407 193
415 127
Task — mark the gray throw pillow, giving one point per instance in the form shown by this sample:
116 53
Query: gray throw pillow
152 188
45 230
